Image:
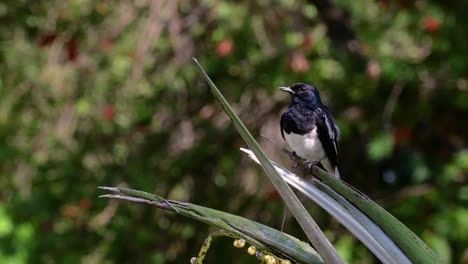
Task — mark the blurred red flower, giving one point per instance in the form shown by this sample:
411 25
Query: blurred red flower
225 48
431 24
108 113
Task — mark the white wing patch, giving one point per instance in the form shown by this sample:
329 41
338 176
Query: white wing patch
334 133
329 128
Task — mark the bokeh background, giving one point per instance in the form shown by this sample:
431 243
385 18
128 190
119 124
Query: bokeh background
104 92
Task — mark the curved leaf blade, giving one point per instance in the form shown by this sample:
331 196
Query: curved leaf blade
416 250
350 217
257 234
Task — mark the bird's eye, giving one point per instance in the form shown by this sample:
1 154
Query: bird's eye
302 90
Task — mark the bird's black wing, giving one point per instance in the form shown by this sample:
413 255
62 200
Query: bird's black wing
327 134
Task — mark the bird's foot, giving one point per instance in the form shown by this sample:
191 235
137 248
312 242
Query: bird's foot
292 155
310 164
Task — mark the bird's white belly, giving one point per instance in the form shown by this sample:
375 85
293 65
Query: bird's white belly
307 146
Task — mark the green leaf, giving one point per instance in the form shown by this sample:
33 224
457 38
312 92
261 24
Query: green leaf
416 250
349 216
259 235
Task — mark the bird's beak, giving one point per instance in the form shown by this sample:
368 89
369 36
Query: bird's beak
286 89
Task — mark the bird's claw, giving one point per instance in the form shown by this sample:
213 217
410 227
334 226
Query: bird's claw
310 164
292 155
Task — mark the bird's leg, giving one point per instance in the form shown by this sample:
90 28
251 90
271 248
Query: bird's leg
310 164
294 157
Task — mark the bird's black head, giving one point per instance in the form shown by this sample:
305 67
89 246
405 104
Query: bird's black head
303 93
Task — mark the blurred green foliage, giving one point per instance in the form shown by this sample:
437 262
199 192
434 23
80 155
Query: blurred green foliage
104 93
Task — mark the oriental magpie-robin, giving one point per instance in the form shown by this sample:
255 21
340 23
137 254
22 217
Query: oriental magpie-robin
309 128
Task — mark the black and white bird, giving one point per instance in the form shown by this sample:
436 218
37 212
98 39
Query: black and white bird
309 127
